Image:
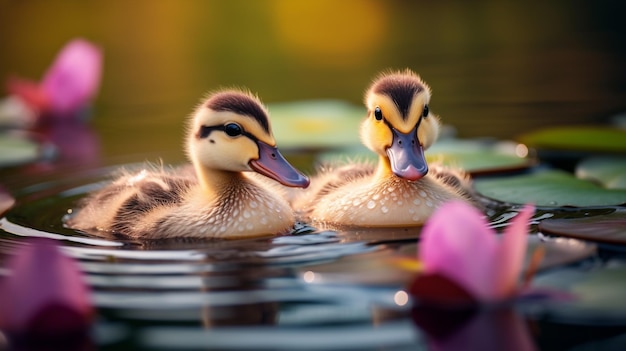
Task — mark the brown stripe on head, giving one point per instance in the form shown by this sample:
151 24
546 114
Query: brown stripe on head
240 103
401 87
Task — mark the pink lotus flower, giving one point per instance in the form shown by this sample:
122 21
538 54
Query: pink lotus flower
463 264
463 260
70 83
45 294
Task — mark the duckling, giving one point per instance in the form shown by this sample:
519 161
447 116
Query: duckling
400 191
227 135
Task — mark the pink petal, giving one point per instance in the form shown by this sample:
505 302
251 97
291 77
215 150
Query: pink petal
45 291
74 77
457 243
511 253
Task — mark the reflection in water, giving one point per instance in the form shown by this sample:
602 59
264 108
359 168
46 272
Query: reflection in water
74 342
74 143
499 328
239 312
45 300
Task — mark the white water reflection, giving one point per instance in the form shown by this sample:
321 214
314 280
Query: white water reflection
393 335
17 229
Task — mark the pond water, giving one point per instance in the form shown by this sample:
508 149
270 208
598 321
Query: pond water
314 289
497 70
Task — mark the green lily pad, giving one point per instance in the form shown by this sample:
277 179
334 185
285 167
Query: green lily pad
355 153
608 171
609 228
316 124
476 156
598 293
580 138
17 150
558 251
550 188
373 269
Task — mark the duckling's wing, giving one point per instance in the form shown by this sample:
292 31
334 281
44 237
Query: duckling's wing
328 179
133 214
454 178
123 206
331 178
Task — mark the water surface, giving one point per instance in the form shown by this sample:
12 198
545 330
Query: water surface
314 289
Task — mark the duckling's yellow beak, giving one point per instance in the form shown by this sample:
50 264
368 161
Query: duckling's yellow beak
406 155
273 165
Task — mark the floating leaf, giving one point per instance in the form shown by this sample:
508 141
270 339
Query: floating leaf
599 293
476 156
549 188
14 112
609 228
366 269
558 251
316 123
608 171
480 156
578 138
354 153
17 150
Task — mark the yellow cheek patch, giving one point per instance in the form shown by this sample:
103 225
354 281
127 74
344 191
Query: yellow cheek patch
376 135
428 131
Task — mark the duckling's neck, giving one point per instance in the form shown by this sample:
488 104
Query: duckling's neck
215 182
383 170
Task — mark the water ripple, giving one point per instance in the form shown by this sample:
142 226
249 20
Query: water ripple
17 229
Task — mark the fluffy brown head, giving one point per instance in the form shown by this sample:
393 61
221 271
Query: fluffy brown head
224 130
398 99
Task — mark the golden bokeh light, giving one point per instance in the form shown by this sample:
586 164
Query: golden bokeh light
331 33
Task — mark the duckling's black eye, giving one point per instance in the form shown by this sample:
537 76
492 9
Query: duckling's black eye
233 129
378 114
426 111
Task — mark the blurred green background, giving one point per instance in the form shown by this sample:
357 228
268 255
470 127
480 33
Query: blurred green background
497 68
